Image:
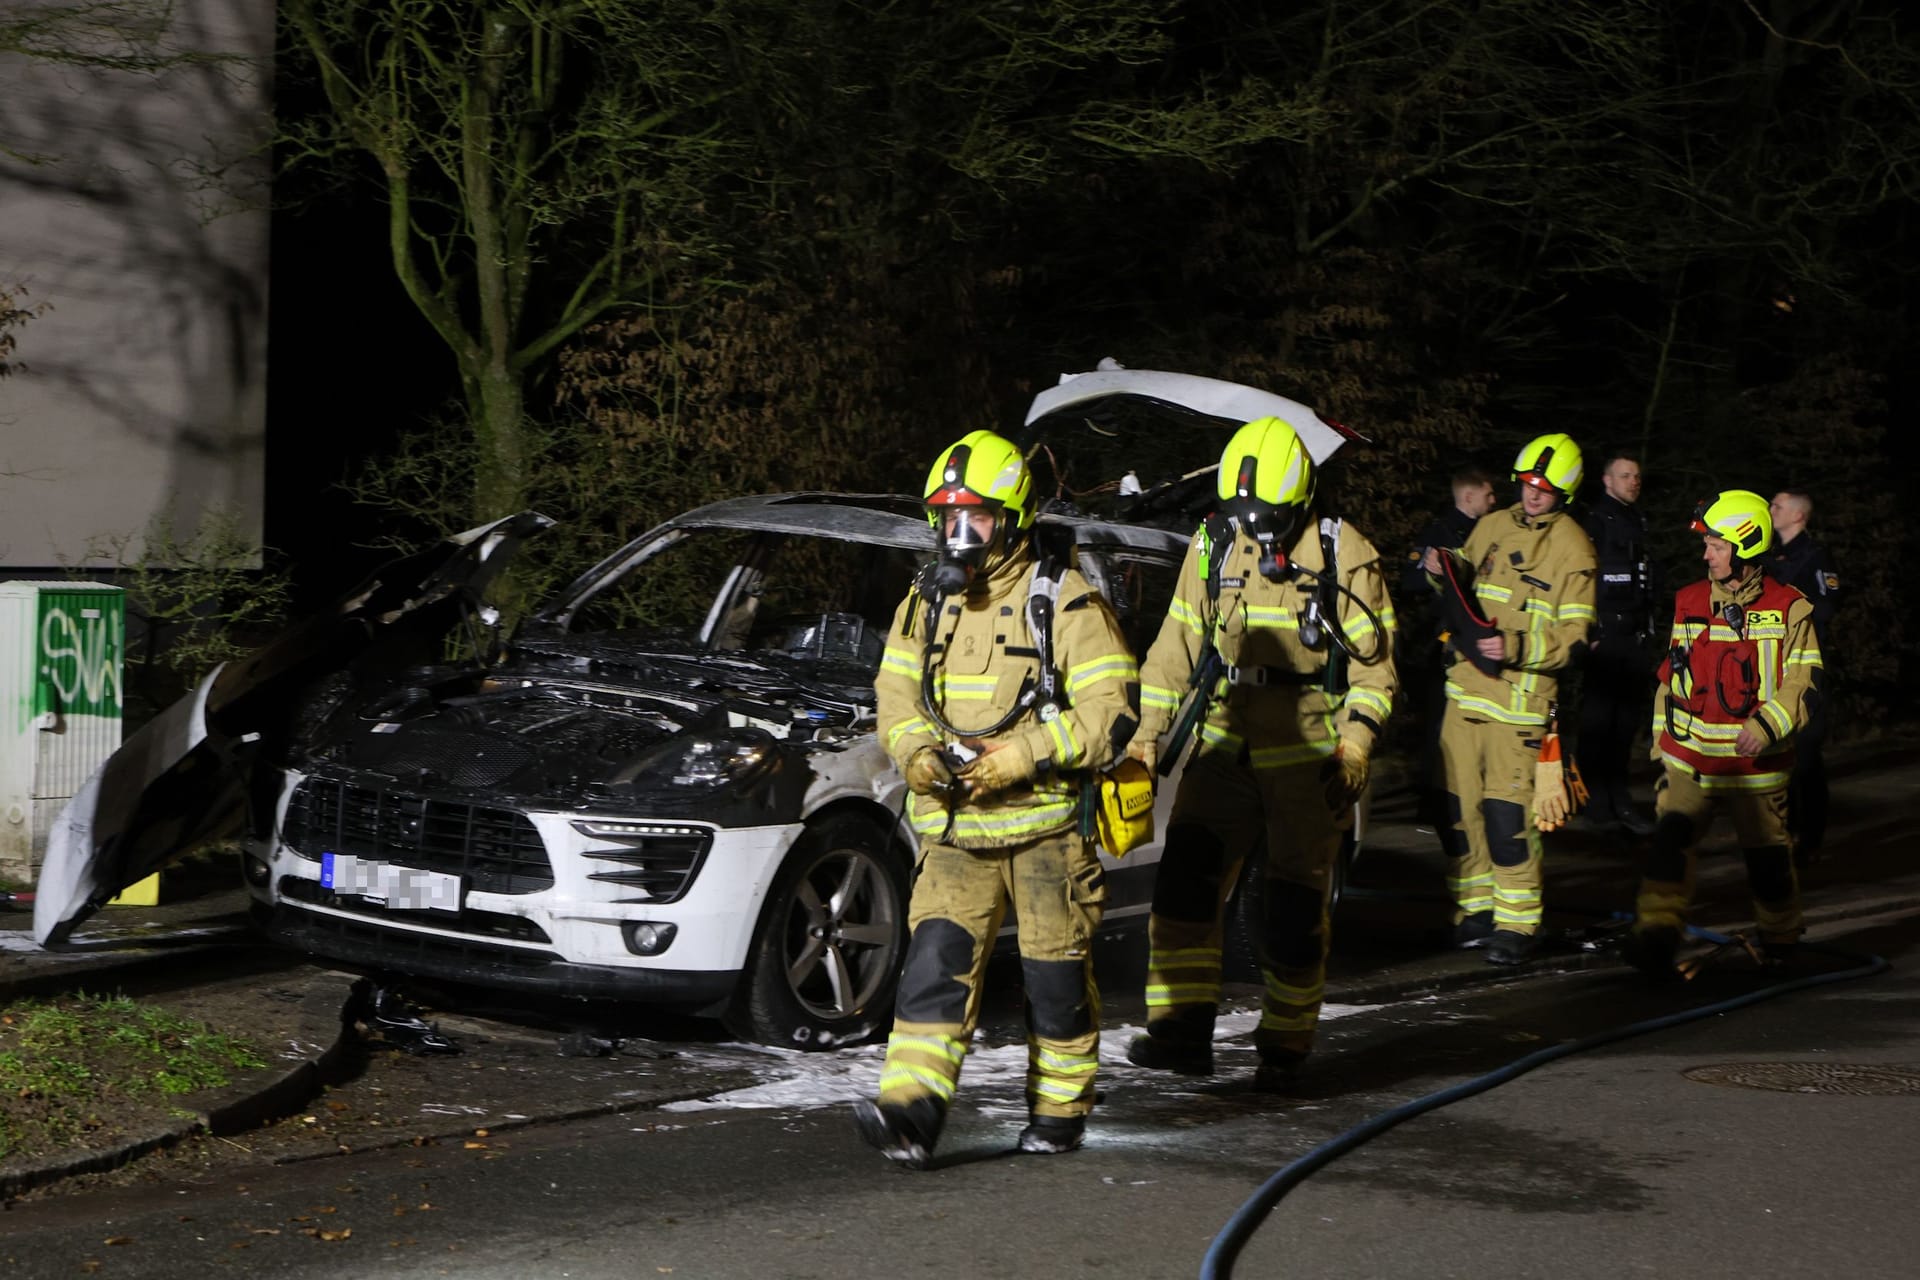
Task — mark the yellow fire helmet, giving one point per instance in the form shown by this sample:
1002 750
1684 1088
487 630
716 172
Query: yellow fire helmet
979 471
1550 462
1266 479
1741 517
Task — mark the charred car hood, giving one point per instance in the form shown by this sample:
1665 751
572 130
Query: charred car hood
578 722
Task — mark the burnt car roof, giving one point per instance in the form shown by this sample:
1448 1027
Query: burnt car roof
883 519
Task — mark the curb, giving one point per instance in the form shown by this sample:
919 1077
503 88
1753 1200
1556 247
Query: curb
324 1033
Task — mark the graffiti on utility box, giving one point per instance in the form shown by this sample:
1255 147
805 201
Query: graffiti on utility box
79 640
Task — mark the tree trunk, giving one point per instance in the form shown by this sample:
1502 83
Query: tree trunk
496 406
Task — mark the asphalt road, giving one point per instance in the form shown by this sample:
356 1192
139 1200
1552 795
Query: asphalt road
1612 1163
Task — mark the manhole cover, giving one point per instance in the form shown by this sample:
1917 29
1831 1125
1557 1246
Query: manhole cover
1810 1077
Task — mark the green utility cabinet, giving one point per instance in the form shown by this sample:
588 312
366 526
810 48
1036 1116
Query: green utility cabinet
62 647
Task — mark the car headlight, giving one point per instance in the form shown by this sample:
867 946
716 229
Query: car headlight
730 757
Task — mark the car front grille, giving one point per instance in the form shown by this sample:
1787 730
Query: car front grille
491 850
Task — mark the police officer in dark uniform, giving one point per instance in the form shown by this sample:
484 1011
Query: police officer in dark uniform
1801 562
1616 692
1420 647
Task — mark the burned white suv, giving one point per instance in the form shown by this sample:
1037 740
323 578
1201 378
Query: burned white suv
663 787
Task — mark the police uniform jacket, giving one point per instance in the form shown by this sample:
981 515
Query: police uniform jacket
983 656
1273 700
1742 655
1623 589
1533 579
1803 563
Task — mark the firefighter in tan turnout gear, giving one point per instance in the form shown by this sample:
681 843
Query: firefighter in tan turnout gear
1005 684
1741 678
1287 622
1519 603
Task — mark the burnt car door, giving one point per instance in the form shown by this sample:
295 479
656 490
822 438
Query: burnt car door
189 775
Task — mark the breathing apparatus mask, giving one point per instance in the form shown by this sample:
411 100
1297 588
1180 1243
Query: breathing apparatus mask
1266 481
979 502
1273 530
968 537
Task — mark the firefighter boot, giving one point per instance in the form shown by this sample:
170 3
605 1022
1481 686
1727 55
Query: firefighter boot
905 1132
1181 1042
1473 929
1652 951
1053 1135
1279 1071
1188 1057
1507 947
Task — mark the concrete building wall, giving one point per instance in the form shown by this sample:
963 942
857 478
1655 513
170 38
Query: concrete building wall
133 211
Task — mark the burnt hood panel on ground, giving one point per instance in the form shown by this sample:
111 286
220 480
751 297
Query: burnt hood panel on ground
1227 402
185 777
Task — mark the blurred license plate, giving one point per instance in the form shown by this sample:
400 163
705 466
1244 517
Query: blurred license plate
403 888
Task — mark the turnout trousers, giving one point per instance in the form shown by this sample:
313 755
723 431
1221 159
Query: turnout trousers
1493 849
1683 813
1224 812
960 897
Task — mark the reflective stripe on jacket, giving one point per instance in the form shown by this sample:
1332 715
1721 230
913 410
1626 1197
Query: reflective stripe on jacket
1534 582
1750 652
984 656
1256 626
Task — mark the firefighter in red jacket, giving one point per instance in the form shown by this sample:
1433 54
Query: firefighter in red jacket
1741 675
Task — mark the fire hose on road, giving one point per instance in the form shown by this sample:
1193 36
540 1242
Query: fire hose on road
1218 1262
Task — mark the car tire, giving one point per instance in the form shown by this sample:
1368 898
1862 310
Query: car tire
826 956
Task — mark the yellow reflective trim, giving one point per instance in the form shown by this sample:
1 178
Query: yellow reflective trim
1291 755
1068 1063
1112 667
1296 995
1497 594
1181 611
1164 995
1152 695
1710 782
905 727
939 1046
1369 698
901 663
1493 710
1060 1091
1182 955
907 1074
1270 1021
1779 717
932 820
1066 747
1214 736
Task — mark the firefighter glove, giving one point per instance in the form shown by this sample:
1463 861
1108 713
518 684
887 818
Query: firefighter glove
1552 806
1001 768
1344 775
1145 749
927 772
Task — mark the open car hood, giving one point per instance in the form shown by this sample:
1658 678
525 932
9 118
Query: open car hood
1228 402
186 777
1101 441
